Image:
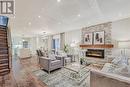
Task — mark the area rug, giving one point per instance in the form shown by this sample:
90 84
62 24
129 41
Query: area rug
57 79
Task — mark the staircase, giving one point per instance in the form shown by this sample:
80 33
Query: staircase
4 53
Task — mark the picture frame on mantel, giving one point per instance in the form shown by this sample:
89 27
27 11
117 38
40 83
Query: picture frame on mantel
99 38
88 38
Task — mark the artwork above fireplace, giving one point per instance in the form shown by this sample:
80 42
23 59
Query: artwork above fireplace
97 53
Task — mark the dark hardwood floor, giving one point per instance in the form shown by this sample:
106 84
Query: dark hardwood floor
21 75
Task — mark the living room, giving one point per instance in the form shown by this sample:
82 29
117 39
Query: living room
72 44
86 45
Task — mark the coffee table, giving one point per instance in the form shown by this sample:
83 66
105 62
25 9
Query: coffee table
76 72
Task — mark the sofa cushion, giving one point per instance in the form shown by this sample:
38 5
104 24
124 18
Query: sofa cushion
55 62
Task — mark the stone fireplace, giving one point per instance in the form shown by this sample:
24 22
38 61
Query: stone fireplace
93 50
97 53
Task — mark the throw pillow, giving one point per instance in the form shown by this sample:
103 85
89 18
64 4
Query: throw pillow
109 68
52 57
116 61
124 71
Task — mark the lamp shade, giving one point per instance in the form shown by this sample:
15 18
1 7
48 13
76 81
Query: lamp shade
124 44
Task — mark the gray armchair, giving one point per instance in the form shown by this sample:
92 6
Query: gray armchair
48 64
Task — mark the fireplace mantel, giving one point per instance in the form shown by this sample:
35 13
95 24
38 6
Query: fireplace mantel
97 46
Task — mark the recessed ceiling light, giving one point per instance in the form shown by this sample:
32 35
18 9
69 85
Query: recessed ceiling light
79 15
39 16
23 40
58 0
29 23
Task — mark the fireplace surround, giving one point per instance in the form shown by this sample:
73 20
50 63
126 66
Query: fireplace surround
97 53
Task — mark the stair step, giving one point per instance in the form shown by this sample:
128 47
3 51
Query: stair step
3 37
3 45
3 48
5 64
4 61
4 67
3 41
3 55
3 32
3 29
4 52
4 72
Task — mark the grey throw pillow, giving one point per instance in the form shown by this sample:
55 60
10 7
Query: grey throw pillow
52 57
124 71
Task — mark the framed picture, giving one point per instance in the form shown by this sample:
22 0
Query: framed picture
88 38
99 37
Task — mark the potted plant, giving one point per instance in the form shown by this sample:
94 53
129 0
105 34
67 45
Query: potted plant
82 60
66 48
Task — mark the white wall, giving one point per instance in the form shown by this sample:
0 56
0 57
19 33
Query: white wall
72 36
121 29
120 32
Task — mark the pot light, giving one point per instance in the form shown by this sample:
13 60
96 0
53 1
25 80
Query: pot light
23 40
39 16
79 15
58 0
29 23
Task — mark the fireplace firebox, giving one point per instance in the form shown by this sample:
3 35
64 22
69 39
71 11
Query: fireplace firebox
97 53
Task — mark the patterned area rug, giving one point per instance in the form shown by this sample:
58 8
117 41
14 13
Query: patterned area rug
57 79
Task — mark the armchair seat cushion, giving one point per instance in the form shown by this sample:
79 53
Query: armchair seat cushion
55 62
68 60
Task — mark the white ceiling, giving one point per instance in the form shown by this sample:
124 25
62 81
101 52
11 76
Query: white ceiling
36 16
